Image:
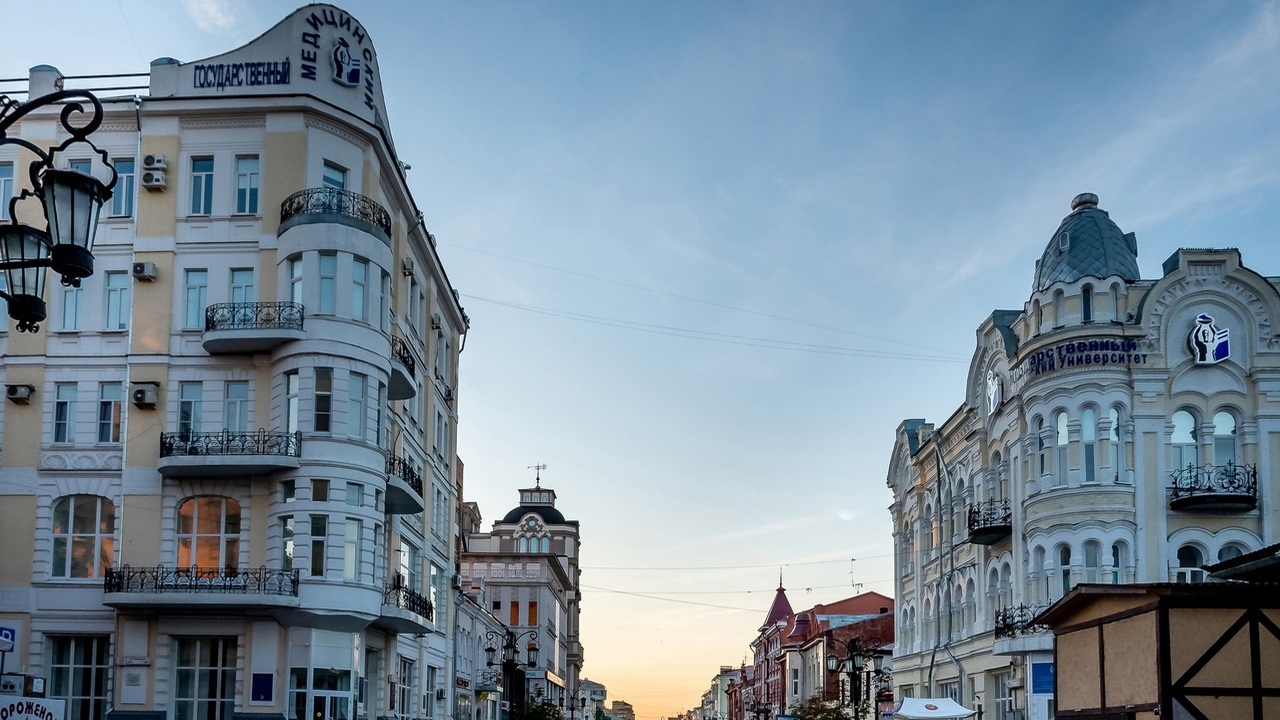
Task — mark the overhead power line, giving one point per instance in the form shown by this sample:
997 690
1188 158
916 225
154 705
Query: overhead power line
741 567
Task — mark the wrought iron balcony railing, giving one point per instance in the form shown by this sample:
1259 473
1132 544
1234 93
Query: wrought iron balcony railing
262 442
989 521
407 598
161 579
1016 621
400 351
332 201
399 467
253 316
1209 480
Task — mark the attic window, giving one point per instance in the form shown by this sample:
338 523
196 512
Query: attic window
1064 242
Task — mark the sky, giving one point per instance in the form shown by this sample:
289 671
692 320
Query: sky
715 252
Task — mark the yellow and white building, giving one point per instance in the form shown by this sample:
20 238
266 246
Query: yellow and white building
226 480
1114 430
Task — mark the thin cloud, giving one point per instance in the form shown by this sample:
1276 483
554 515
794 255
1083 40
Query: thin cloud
212 16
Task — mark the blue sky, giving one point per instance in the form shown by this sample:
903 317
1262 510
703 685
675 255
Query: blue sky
870 180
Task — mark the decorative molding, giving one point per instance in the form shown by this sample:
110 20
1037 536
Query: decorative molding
81 460
218 123
1212 278
312 121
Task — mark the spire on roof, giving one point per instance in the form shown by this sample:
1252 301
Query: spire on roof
781 607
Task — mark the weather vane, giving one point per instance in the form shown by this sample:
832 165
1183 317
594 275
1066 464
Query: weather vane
537 473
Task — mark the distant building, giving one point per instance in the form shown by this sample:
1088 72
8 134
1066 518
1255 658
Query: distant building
621 710
1114 429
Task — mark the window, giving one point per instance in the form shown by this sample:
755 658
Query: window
404 689
1037 316
247 185
795 682
1001 696
1117 563
533 612
1189 561
295 280
71 308
81 166
1224 439
412 309
291 401
288 490
319 538
1092 561
355 494
410 566
190 408
1064 568
1117 450
1089 436
122 196
384 303
380 429
1059 308
78 674
196 292
64 413
359 279
351 549
1060 457
1115 303
84 529
209 533
206 679
334 176
242 290
442 435
235 416
435 592
202 186
1183 441
328 283
6 189
439 512
110 411
357 411
286 538
320 490
118 309
1041 451
1086 304
545 545
322 417
522 545
1229 552
442 356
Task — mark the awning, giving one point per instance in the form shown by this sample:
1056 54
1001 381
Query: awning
930 709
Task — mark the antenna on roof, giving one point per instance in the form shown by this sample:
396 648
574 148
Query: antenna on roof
537 473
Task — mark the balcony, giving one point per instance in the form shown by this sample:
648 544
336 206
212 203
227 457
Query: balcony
1226 488
990 522
207 590
403 367
404 487
250 327
228 454
404 610
1017 633
330 205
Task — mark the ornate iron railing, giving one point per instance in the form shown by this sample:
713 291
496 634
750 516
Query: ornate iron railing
253 316
339 202
1229 479
989 514
400 351
407 598
399 467
161 579
262 442
1018 620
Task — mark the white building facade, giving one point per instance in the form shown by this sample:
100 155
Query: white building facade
1114 430
229 486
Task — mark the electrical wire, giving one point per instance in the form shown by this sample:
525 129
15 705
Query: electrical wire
742 567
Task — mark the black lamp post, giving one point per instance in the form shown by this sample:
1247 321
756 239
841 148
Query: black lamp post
71 200
853 666
510 660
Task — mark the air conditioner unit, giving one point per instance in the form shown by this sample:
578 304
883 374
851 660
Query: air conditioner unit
457 581
448 394
145 394
154 161
144 271
406 267
435 321
154 180
19 394
439 693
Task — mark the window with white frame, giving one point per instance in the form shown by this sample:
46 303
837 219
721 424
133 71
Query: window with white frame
110 411
291 392
1086 304
1001 694
353 530
1064 568
6 189
355 494
1183 441
84 529
235 415
1117 449
247 185
380 417
64 412
286 543
1118 560
190 408
202 186
442 356
322 415
404 688
209 533
1224 439
357 409
1089 440
328 283
359 289
442 435
412 308
1092 561
1060 455
196 293
334 176
295 280
71 308
439 512
205 687
79 672
319 544
1190 560
384 302
242 288
122 196
118 301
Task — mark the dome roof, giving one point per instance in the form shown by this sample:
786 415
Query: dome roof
1087 244
549 514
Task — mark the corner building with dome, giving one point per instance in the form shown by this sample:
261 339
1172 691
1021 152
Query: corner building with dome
1114 430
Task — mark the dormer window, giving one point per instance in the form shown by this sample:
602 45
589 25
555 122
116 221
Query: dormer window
1064 242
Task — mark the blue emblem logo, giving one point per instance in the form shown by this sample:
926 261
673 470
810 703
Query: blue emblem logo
346 67
1209 343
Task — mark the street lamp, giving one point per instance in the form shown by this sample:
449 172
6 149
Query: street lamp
72 201
510 660
853 666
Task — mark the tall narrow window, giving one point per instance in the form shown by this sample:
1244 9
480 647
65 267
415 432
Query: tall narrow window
196 291
1060 457
442 356
235 416
209 533
190 408
1117 563
351 549
323 400
1189 561
1037 316
328 283
202 186
84 529
6 189
1059 308
206 679
242 290
64 413
1115 304
357 411
319 542
533 612
1183 441
71 308
1086 304
1041 450
78 674
122 196
380 417
118 304
1064 568
355 494
247 185
1092 561
110 411
384 303
359 293
286 543
291 401
295 280
1224 439
1089 438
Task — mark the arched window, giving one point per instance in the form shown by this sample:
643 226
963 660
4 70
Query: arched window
1092 561
545 545
1118 562
1059 308
1230 551
1006 586
970 604
1116 310
1189 561
1038 570
209 533
926 529
1064 567
1183 440
1086 304
1041 452
1117 448
994 601
1060 458
994 489
1224 439
522 545
1037 316
1089 439
84 529
1004 472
